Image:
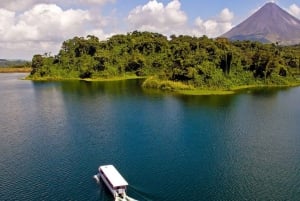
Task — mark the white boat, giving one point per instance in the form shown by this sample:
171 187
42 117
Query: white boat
114 181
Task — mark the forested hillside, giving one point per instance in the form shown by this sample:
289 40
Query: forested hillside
189 61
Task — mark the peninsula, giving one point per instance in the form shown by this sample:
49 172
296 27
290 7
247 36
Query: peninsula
179 63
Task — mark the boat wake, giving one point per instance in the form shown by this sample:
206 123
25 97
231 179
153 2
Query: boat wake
125 198
96 177
117 185
141 195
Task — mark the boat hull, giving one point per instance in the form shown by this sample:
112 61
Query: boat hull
113 180
113 192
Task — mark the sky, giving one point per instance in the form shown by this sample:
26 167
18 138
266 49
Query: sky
29 27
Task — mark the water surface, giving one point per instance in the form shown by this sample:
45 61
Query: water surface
54 135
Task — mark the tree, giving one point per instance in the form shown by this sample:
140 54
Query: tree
37 63
197 61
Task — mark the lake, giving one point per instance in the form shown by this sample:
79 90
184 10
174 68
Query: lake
54 135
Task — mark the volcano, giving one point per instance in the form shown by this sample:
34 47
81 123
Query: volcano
270 24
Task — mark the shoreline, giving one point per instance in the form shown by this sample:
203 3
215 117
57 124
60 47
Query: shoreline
190 92
207 92
111 79
15 70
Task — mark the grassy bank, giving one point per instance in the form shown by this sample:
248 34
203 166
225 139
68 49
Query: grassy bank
15 70
94 79
115 78
201 92
170 86
186 89
204 92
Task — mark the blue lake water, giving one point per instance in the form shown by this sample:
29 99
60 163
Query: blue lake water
54 135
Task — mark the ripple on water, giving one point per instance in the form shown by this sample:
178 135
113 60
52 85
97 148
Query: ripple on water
169 148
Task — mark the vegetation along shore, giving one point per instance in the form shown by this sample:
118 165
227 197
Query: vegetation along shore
15 66
184 64
16 70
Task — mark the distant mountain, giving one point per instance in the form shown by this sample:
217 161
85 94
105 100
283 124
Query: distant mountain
270 24
12 63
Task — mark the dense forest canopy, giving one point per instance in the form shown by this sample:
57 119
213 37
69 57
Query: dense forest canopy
197 62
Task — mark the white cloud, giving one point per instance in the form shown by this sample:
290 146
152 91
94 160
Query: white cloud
295 10
154 16
22 5
215 27
45 26
46 22
226 15
101 2
171 19
6 19
35 26
15 5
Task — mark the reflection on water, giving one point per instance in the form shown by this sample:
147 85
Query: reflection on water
116 88
213 101
54 135
265 91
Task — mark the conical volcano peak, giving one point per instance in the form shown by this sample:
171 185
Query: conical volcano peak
271 3
269 24
271 6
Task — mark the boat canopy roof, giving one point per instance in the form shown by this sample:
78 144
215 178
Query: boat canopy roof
113 175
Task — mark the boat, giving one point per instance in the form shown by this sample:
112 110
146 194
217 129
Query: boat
114 181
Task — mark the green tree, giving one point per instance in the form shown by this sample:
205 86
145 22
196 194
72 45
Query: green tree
37 63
